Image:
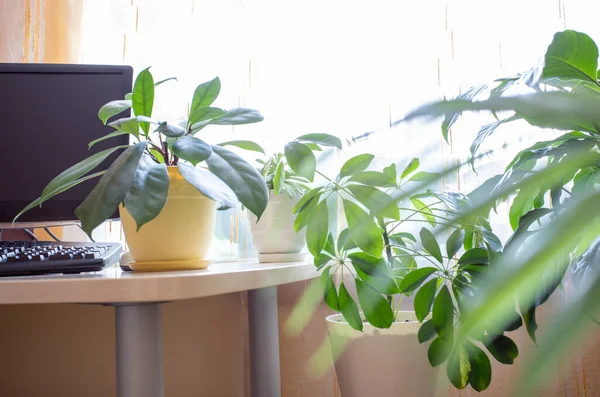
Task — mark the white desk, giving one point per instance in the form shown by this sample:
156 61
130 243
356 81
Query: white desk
137 298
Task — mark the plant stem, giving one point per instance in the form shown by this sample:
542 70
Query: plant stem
388 251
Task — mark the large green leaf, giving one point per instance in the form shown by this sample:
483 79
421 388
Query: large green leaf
502 348
317 229
142 99
364 231
375 308
170 130
209 185
110 190
571 56
356 164
426 332
374 272
349 309
305 199
329 293
76 171
481 368
379 203
238 116
415 278
130 125
279 178
443 314
424 210
459 368
191 149
373 178
201 116
246 145
113 108
63 188
306 213
148 193
439 351
108 136
321 139
430 244
424 299
454 242
205 94
522 203
301 159
245 181
410 168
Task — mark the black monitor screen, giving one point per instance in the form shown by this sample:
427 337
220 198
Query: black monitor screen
48 115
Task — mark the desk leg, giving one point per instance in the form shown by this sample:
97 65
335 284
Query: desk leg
139 350
265 377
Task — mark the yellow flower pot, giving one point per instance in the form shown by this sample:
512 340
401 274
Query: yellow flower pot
179 237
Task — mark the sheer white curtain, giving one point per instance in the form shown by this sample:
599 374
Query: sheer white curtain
341 67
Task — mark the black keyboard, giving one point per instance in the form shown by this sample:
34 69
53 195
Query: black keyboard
19 258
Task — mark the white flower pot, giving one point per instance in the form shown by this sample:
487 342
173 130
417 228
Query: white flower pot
273 235
382 362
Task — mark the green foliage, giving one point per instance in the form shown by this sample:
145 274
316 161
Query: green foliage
138 177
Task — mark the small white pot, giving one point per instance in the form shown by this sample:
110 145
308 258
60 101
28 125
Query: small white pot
382 362
273 235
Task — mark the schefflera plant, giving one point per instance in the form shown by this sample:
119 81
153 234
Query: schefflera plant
138 178
365 248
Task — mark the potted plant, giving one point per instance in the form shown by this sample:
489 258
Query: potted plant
552 188
168 182
288 176
377 348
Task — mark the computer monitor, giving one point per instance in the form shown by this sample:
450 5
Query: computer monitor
48 115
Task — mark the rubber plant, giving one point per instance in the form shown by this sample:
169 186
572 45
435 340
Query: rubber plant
552 190
138 177
292 170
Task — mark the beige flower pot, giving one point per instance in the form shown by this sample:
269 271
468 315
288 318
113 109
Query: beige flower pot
179 237
382 362
273 235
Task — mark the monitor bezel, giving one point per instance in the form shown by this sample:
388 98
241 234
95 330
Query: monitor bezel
57 68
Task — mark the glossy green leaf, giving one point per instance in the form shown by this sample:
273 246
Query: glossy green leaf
481 368
379 203
317 229
148 193
424 177
209 185
301 159
321 139
530 322
503 349
349 309
403 236
374 272
205 94
170 130
364 231
345 242
356 164
443 314
373 178
474 256
459 368
108 136
430 244
438 352
303 217
200 117
571 56
245 181
390 171
142 99
279 178
426 332
157 155
191 149
237 116
410 168
246 145
375 307
76 171
61 189
454 242
306 198
415 278
113 108
329 292
129 125
110 190
522 203
424 299
423 210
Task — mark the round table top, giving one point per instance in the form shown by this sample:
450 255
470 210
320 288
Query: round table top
115 286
